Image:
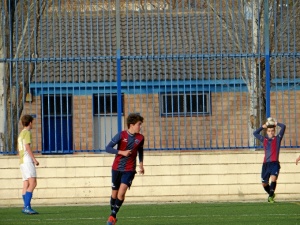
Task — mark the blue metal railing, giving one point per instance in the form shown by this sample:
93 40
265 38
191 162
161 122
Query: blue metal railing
230 52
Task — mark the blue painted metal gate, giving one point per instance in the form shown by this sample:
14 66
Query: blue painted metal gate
204 74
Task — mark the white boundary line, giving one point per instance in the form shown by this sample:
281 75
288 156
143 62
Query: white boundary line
140 217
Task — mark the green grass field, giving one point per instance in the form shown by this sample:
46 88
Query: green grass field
161 214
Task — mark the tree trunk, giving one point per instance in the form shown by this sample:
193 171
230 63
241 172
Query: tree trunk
16 87
2 102
254 76
2 87
5 76
11 119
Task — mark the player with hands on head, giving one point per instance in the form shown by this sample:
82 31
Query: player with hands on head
130 143
27 163
271 165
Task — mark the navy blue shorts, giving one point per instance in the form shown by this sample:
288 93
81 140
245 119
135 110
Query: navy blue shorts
269 169
118 177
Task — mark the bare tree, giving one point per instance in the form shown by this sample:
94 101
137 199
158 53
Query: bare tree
129 5
19 25
2 72
19 44
244 21
14 87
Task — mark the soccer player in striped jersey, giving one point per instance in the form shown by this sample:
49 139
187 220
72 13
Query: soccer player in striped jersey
130 143
27 163
271 165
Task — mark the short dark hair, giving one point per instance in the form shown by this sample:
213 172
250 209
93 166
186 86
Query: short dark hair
26 120
133 118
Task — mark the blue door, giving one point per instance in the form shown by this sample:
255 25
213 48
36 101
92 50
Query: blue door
57 124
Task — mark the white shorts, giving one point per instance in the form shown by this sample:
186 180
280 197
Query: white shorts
28 170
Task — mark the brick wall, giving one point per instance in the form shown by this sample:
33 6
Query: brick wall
224 127
34 108
170 176
83 122
194 131
287 111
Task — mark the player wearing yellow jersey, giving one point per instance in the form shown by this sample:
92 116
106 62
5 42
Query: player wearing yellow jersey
27 163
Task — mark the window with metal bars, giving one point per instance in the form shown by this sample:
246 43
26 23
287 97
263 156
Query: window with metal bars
106 104
185 104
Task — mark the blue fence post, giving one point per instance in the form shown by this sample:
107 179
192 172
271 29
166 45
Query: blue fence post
119 77
267 55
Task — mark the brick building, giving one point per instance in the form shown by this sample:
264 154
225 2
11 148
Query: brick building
188 102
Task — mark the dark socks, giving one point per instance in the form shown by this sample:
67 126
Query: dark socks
112 203
267 188
117 207
272 188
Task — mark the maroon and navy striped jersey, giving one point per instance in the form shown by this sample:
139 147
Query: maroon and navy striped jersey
126 141
271 145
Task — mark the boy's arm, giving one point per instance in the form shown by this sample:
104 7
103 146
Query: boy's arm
110 147
141 151
28 149
282 130
142 170
141 158
297 160
257 135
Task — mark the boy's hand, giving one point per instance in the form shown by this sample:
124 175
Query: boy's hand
125 153
36 162
297 160
264 126
141 171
